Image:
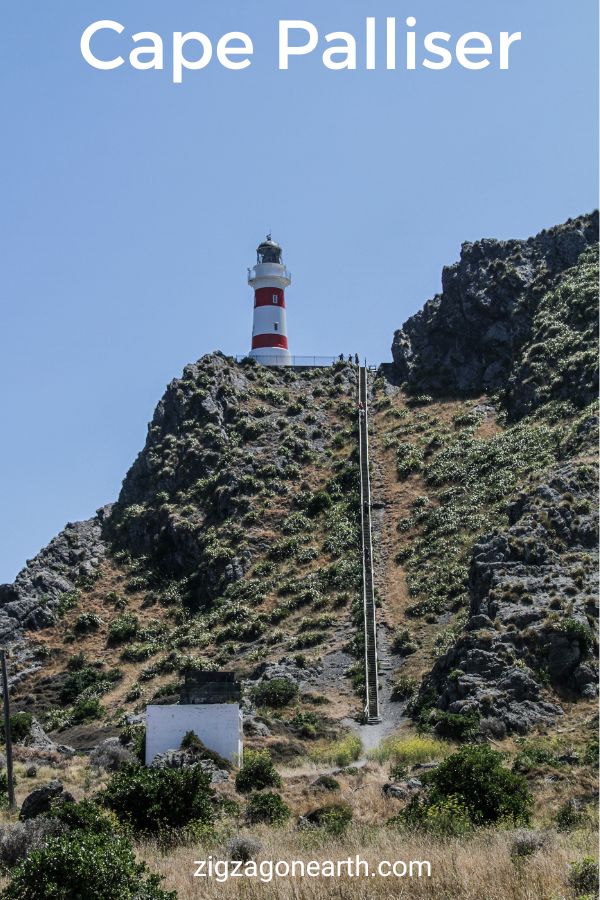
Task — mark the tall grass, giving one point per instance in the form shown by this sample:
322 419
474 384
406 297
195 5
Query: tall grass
410 751
480 866
342 752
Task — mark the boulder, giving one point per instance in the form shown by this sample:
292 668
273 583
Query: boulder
40 801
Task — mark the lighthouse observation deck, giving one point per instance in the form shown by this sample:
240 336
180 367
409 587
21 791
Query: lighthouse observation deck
269 270
307 362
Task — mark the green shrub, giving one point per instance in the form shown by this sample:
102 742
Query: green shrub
81 679
257 772
3 789
122 629
583 877
87 622
86 710
20 726
398 772
334 817
456 726
276 693
191 741
404 688
581 633
151 800
326 783
307 724
403 643
448 816
87 867
267 807
67 601
409 459
476 778
419 400
84 816
569 816
591 755
316 503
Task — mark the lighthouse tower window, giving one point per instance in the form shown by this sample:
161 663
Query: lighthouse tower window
275 326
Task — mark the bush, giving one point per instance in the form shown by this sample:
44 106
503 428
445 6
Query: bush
456 726
580 632
19 839
87 622
275 693
526 843
398 772
476 779
84 816
242 848
267 807
403 643
83 677
190 741
583 877
257 772
122 629
20 726
86 710
448 817
134 738
307 725
110 756
569 816
334 817
151 800
86 866
404 688
326 783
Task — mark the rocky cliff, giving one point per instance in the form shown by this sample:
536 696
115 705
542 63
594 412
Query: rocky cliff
506 308
516 319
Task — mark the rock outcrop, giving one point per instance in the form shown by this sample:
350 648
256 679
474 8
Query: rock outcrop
474 337
533 590
72 557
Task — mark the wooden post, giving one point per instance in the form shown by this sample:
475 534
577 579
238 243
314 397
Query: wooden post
9 760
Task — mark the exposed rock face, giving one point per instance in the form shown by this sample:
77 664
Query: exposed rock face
471 337
31 602
533 595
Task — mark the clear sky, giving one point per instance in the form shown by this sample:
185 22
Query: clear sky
131 207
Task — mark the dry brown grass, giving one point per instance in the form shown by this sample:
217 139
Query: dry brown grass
461 869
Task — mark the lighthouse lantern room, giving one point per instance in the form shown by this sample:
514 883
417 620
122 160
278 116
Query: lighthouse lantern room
269 279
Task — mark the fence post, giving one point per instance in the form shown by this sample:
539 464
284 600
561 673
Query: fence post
7 735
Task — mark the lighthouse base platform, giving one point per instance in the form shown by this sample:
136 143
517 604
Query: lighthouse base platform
271 356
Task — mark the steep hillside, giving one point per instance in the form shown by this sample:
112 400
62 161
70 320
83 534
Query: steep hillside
234 542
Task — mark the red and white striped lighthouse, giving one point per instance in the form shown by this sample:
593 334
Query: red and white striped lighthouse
269 278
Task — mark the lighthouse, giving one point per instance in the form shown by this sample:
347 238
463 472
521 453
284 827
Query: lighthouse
269 279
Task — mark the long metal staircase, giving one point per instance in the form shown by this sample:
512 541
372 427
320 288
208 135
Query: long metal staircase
372 686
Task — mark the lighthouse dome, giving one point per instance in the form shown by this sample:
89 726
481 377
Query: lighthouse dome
268 251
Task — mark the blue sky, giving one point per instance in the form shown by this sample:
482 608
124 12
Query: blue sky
131 207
